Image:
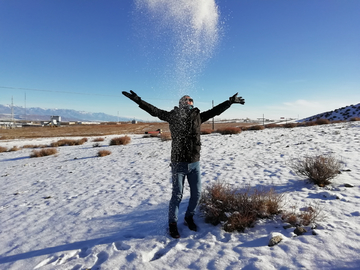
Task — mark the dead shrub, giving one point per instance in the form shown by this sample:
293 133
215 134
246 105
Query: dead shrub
310 123
103 153
256 127
306 216
272 125
3 149
229 130
166 136
14 148
67 142
290 125
206 131
120 140
98 139
322 121
34 146
43 152
238 209
319 169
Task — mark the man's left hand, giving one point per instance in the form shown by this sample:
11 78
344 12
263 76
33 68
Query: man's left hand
236 99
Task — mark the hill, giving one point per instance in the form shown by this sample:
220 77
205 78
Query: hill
344 113
41 114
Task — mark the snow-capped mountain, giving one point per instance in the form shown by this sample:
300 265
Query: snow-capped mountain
344 113
40 114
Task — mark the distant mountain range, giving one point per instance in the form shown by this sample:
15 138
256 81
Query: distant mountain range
40 114
344 113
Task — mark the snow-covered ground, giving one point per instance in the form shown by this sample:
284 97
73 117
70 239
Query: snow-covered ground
75 210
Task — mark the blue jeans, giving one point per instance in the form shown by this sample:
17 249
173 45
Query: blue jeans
179 171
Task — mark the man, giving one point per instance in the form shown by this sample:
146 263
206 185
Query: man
184 123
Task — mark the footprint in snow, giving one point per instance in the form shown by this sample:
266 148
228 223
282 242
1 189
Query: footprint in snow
162 252
119 245
100 259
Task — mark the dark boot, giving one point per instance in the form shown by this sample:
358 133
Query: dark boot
189 221
173 230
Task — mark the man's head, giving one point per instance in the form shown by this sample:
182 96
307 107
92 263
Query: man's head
186 102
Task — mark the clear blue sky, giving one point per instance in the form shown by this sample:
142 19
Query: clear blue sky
286 58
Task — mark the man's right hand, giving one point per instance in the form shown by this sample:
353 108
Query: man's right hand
132 95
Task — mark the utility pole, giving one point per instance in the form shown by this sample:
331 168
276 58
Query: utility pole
213 120
25 107
12 111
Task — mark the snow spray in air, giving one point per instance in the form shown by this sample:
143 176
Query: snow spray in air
190 31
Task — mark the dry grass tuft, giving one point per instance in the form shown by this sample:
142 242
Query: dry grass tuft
14 148
256 127
43 152
67 142
290 125
238 209
34 146
229 130
272 125
319 169
103 153
166 136
98 139
310 123
355 119
120 140
3 149
309 215
322 121
206 131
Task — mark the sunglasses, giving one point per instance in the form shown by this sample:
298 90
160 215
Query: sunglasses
189 99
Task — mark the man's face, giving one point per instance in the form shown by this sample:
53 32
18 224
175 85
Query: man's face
189 101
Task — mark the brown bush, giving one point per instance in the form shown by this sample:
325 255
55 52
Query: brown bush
120 140
290 125
3 149
322 121
34 146
229 130
67 142
238 209
166 136
14 148
257 127
98 139
310 123
311 214
103 153
319 169
355 119
43 152
272 125
206 131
